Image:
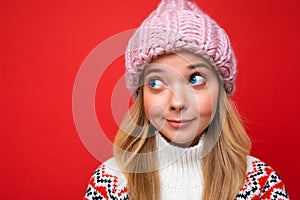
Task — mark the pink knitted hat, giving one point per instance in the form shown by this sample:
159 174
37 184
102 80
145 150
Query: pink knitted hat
174 26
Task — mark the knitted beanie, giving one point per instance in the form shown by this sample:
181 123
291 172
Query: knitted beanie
179 25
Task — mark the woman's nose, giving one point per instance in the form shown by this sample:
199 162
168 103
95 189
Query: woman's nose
178 99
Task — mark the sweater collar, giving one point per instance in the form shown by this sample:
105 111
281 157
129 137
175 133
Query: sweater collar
169 154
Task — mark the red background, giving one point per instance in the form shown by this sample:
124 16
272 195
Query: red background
43 44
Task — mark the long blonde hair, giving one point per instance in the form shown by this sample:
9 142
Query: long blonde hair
224 167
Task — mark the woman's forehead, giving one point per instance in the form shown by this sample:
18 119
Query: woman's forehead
186 58
179 62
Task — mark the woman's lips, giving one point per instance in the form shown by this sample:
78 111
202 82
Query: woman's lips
179 123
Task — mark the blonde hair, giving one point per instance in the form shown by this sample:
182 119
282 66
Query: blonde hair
226 161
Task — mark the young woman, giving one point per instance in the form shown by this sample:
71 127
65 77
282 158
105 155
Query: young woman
182 138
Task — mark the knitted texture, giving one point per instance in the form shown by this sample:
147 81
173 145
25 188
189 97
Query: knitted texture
262 182
180 175
179 25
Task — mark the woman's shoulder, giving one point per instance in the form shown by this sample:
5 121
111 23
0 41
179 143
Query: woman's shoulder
262 182
107 182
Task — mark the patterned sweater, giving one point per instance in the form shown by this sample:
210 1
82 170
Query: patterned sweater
182 178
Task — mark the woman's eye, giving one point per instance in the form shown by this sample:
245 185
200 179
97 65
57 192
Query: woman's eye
156 83
197 79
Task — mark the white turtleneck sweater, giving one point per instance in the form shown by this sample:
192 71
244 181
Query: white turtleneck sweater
180 170
181 177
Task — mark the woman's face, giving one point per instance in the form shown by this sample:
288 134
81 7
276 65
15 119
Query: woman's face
180 96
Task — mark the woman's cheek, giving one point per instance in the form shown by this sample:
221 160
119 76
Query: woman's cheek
208 104
205 105
153 106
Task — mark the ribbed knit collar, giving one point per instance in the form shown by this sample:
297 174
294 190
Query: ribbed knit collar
169 153
180 168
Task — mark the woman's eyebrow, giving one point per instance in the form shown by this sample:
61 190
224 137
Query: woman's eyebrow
198 65
159 70
151 70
